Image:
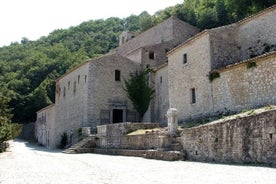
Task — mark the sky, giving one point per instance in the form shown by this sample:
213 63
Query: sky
35 18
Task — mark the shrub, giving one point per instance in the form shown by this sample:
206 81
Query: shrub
251 64
213 75
63 140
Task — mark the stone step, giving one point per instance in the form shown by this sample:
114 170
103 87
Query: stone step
176 146
78 147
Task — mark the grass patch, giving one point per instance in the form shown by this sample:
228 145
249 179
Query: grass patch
143 131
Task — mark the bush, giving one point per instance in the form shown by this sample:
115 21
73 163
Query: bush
63 140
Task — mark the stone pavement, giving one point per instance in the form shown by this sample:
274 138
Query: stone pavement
30 164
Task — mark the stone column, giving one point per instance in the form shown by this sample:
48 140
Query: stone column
172 121
86 131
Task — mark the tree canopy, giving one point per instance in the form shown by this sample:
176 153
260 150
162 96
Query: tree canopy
139 91
8 130
28 69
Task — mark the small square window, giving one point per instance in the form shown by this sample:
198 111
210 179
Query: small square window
185 58
193 96
151 55
117 75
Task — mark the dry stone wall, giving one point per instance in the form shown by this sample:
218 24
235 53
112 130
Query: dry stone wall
114 136
248 139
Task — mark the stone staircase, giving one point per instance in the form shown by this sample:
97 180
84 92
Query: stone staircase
176 145
86 145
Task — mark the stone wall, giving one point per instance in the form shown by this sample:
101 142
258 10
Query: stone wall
71 102
161 98
240 87
159 53
257 34
184 77
107 94
45 127
224 46
114 135
248 139
168 30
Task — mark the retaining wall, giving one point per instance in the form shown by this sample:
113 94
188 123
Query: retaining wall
247 139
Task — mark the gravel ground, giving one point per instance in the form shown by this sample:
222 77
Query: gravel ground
29 164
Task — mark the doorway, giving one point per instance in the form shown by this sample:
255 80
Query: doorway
117 115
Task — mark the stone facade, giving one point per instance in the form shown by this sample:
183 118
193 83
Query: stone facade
248 139
161 99
92 94
108 102
193 64
256 86
257 34
199 74
171 30
71 103
45 127
188 71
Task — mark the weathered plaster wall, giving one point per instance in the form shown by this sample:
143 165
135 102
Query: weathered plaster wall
161 98
106 94
45 127
182 77
71 102
240 87
245 140
255 33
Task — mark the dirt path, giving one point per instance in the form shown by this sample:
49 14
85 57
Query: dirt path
29 164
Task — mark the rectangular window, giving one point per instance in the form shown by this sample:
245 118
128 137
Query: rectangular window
64 91
160 79
193 95
151 55
78 79
75 87
68 85
185 58
117 75
85 77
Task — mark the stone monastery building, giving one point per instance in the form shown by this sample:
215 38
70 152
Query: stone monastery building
218 70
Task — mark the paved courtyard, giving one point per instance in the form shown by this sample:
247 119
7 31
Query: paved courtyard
30 164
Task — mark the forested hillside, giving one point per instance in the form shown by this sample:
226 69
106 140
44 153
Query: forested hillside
28 69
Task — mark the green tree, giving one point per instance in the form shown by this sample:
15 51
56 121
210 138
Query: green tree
8 130
145 21
139 91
